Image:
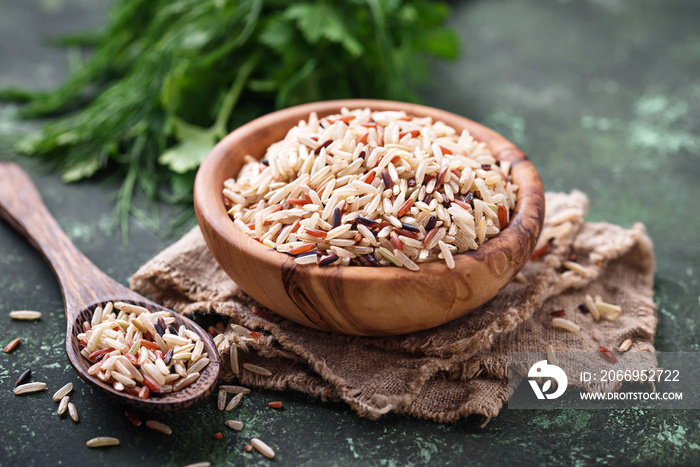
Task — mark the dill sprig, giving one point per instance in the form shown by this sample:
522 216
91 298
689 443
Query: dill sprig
168 78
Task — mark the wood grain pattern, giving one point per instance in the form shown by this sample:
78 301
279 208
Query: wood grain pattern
364 300
85 286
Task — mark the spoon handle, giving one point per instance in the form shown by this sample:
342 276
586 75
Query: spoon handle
83 284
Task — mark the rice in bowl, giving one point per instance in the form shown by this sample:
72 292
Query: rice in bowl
373 189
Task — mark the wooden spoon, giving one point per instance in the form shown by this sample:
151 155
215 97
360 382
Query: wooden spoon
85 287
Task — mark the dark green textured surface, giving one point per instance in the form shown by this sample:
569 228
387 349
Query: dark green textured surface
603 95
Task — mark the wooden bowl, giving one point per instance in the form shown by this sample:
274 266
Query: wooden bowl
359 300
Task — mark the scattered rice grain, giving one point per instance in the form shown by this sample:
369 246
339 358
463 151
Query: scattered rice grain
551 358
263 448
102 441
257 369
234 424
25 315
234 389
625 346
63 405
233 355
29 387
235 400
73 412
158 426
566 325
221 400
58 395
592 308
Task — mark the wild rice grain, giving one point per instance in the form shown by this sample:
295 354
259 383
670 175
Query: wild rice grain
63 405
29 387
58 395
257 369
23 377
234 424
263 448
73 412
566 325
11 346
102 441
25 315
235 400
158 426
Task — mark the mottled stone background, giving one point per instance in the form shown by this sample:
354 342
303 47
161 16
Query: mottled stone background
603 95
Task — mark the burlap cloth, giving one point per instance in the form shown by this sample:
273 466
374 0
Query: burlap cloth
445 373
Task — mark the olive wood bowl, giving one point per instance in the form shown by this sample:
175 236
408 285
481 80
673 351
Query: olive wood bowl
361 300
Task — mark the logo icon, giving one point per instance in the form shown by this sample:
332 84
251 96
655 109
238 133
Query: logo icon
542 369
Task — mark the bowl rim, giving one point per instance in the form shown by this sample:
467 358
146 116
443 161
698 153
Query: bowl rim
526 219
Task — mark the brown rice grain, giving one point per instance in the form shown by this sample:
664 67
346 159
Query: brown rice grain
189 379
125 380
102 441
565 216
608 311
29 388
25 315
625 346
158 426
551 358
234 389
233 356
263 448
590 304
235 400
234 424
221 400
73 412
565 324
574 266
198 366
58 395
257 369
63 405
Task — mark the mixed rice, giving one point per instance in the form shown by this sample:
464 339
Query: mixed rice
141 352
374 189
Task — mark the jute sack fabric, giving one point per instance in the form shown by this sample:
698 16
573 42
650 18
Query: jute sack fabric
448 372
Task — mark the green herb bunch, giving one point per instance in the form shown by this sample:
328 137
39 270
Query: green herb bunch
168 78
